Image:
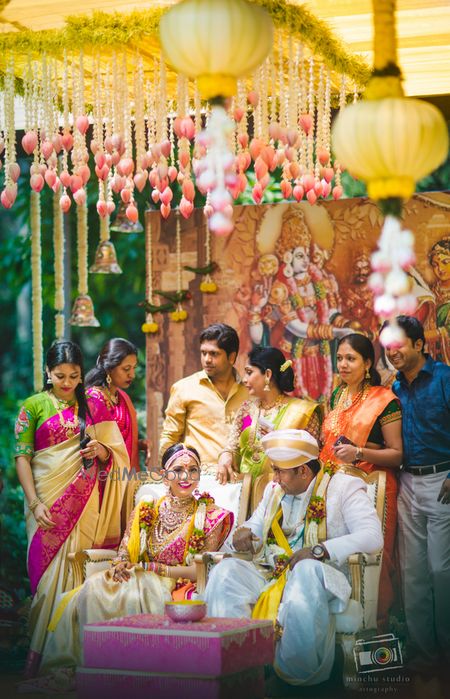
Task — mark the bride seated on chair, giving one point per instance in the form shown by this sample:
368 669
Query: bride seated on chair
154 561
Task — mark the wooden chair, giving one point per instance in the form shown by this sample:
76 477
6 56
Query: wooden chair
232 496
359 620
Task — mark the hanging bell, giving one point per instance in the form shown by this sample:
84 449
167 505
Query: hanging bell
83 313
122 224
105 259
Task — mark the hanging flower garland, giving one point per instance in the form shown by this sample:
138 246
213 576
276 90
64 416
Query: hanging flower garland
179 314
8 143
150 325
289 124
36 288
58 249
65 201
208 285
83 308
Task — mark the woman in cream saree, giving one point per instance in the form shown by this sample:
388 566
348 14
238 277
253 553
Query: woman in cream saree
268 377
154 564
73 496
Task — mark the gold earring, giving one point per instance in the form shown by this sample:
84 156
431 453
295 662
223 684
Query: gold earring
108 380
368 373
266 383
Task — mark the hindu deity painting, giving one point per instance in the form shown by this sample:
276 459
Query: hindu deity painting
296 276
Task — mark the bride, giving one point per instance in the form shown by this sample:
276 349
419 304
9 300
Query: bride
154 562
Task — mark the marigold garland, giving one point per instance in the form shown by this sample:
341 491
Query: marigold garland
282 562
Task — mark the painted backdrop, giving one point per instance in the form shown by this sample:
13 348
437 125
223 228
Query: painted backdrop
294 276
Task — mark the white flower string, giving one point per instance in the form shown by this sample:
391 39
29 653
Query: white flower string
36 288
179 314
150 325
279 99
12 169
58 248
82 237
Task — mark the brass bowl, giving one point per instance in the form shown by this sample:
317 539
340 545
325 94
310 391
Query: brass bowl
185 610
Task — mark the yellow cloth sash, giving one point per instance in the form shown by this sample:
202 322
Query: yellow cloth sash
134 542
54 621
268 602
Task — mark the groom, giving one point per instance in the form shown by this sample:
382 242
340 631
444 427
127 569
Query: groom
302 548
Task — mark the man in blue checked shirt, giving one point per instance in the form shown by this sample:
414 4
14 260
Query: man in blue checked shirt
423 387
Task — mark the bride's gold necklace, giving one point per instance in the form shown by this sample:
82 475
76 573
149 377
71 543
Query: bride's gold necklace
70 425
170 522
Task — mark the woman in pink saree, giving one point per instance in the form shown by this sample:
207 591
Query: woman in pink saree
69 458
112 375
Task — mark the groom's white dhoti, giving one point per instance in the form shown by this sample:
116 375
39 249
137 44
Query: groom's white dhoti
314 591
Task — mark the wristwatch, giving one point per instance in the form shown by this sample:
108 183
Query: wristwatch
318 552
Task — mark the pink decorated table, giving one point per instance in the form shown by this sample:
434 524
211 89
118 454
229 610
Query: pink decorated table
153 656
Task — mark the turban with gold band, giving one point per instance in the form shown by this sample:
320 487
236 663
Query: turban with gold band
290 448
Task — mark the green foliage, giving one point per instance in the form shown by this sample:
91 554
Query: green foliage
13 538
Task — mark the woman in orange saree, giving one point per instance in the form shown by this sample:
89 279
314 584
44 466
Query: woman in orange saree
363 427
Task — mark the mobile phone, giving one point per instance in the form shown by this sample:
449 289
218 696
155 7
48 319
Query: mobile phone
343 440
87 463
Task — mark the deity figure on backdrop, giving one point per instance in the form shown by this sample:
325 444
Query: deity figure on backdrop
439 257
358 300
295 306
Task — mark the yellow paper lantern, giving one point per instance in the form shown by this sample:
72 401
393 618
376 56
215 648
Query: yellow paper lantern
390 143
216 41
388 140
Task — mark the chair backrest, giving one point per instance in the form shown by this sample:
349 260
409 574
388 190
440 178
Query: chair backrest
376 488
375 481
234 497
258 489
365 570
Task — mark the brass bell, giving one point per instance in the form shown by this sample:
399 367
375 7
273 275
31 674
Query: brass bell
105 259
123 225
83 313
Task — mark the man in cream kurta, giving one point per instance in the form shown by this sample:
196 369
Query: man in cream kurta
317 583
202 406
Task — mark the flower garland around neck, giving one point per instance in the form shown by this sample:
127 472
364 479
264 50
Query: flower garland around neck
315 521
195 539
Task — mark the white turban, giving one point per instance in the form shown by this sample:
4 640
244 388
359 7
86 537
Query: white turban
290 448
